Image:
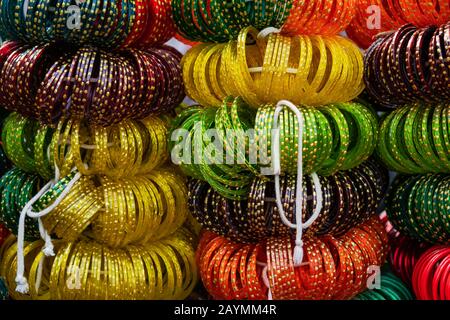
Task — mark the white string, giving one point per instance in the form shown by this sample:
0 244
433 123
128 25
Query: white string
261 35
267 31
275 149
265 277
21 282
39 274
86 146
58 200
260 69
26 4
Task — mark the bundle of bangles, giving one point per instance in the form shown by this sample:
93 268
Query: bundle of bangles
336 267
90 207
108 24
273 184
423 267
407 70
47 83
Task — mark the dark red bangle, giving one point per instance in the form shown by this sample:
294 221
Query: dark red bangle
153 26
405 253
409 65
104 88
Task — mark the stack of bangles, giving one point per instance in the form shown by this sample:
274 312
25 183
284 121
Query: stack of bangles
135 210
408 65
324 17
89 270
431 276
216 21
376 16
415 139
128 148
220 21
418 206
405 252
16 189
349 198
391 288
339 137
334 267
307 70
108 24
101 87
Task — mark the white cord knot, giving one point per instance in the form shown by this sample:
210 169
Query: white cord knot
298 254
265 278
21 284
48 249
267 31
299 243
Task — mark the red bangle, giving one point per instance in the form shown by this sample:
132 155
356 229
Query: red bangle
428 278
334 268
255 284
404 255
280 269
324 17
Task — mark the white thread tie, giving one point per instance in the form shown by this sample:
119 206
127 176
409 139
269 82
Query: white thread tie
48 249
276 161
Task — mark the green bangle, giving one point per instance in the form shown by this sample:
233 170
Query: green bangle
221 21
16 189
391 288
414 139
418 206
341 138
26 144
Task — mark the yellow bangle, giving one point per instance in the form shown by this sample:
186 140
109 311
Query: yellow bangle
200 78
187 65
308 70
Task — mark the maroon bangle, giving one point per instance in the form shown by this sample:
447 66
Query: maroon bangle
102 87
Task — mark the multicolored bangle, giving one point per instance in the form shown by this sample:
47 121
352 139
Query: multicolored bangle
129 148
334 268
328 17
99 86
409 65
219 21
339 137
117 212
376 16
391 288
432 273
16 189
349 198
108 24
405 253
